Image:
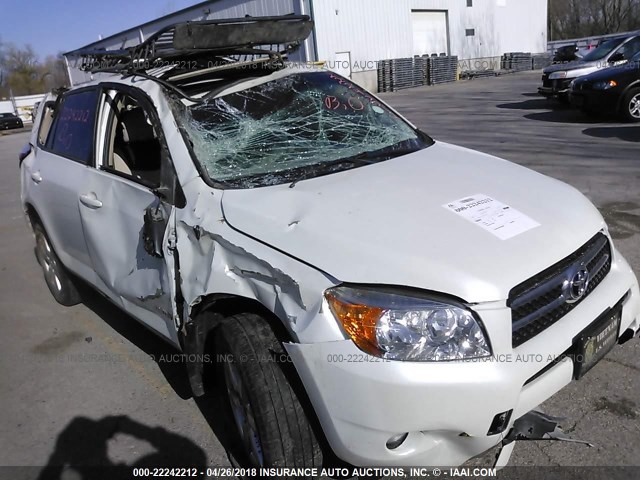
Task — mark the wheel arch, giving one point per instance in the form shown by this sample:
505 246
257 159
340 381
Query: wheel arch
623 95
34 217
206 316
32 214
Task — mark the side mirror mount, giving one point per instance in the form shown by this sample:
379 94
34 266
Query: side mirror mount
616 57
24 153
155 224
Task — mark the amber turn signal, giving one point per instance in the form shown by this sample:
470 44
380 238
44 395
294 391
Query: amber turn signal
359 321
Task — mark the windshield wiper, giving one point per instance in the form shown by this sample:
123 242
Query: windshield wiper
364 158
356 161
385 154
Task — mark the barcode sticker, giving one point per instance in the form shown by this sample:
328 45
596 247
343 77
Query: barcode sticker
493 216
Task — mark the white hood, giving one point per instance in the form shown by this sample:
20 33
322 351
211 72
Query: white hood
386 224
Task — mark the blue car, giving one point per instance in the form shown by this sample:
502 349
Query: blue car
613 90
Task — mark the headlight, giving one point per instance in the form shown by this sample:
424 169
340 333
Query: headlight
557 75
400 326
605 85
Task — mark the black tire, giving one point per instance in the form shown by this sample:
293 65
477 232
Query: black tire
630 108
271 412
56 276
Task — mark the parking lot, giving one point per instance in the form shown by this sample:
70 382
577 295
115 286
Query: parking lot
88 384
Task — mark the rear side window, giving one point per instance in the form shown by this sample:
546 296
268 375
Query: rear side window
71 133
45 122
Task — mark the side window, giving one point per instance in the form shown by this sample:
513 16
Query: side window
133 148
45 122
630 48
71 134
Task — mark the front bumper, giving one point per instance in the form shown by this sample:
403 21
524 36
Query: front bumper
447 408
555 88
601 101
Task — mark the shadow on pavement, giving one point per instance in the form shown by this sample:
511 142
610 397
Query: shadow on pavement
534 104
213 405
566 115
82 450
622 219
628 134
174 371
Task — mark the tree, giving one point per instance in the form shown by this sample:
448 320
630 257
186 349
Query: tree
22 73
54 72
23 76
583 18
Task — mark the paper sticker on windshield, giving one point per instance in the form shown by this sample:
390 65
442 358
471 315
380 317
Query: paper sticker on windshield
493 216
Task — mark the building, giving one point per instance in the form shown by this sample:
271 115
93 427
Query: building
352 35
22 106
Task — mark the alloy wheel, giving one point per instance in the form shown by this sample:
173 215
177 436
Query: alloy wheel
48 261
634 106
243 414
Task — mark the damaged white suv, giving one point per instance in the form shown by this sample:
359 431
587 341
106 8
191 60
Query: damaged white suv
357 282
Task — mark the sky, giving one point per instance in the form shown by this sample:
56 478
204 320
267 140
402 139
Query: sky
54 26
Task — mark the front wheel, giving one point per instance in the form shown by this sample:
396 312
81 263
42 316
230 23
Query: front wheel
631 106
268 414
57 278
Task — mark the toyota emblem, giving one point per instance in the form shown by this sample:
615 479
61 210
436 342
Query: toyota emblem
576 286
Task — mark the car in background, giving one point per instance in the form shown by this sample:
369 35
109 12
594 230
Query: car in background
566 54
557 78
10 120
613 90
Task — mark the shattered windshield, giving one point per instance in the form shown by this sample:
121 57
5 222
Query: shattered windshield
297 127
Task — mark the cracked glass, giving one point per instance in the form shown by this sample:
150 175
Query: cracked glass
296 127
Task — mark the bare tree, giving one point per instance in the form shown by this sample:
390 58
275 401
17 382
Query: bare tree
22 73
580 18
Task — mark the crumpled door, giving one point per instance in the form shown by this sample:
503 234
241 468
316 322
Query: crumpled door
120 219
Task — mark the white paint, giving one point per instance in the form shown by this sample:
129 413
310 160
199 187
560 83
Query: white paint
491 215
342 64
375 30
430 33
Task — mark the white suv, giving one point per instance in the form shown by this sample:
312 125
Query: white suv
354 280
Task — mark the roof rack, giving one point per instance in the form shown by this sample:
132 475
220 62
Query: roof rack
236 40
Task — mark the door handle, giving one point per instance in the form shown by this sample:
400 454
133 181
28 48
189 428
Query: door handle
36 177
90 200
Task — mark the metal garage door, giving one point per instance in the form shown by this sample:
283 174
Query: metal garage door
430 33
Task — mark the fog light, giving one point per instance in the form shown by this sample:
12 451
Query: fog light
500 423
397 440
626 336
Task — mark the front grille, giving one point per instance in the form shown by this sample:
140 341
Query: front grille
541 301
545 81
563 84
